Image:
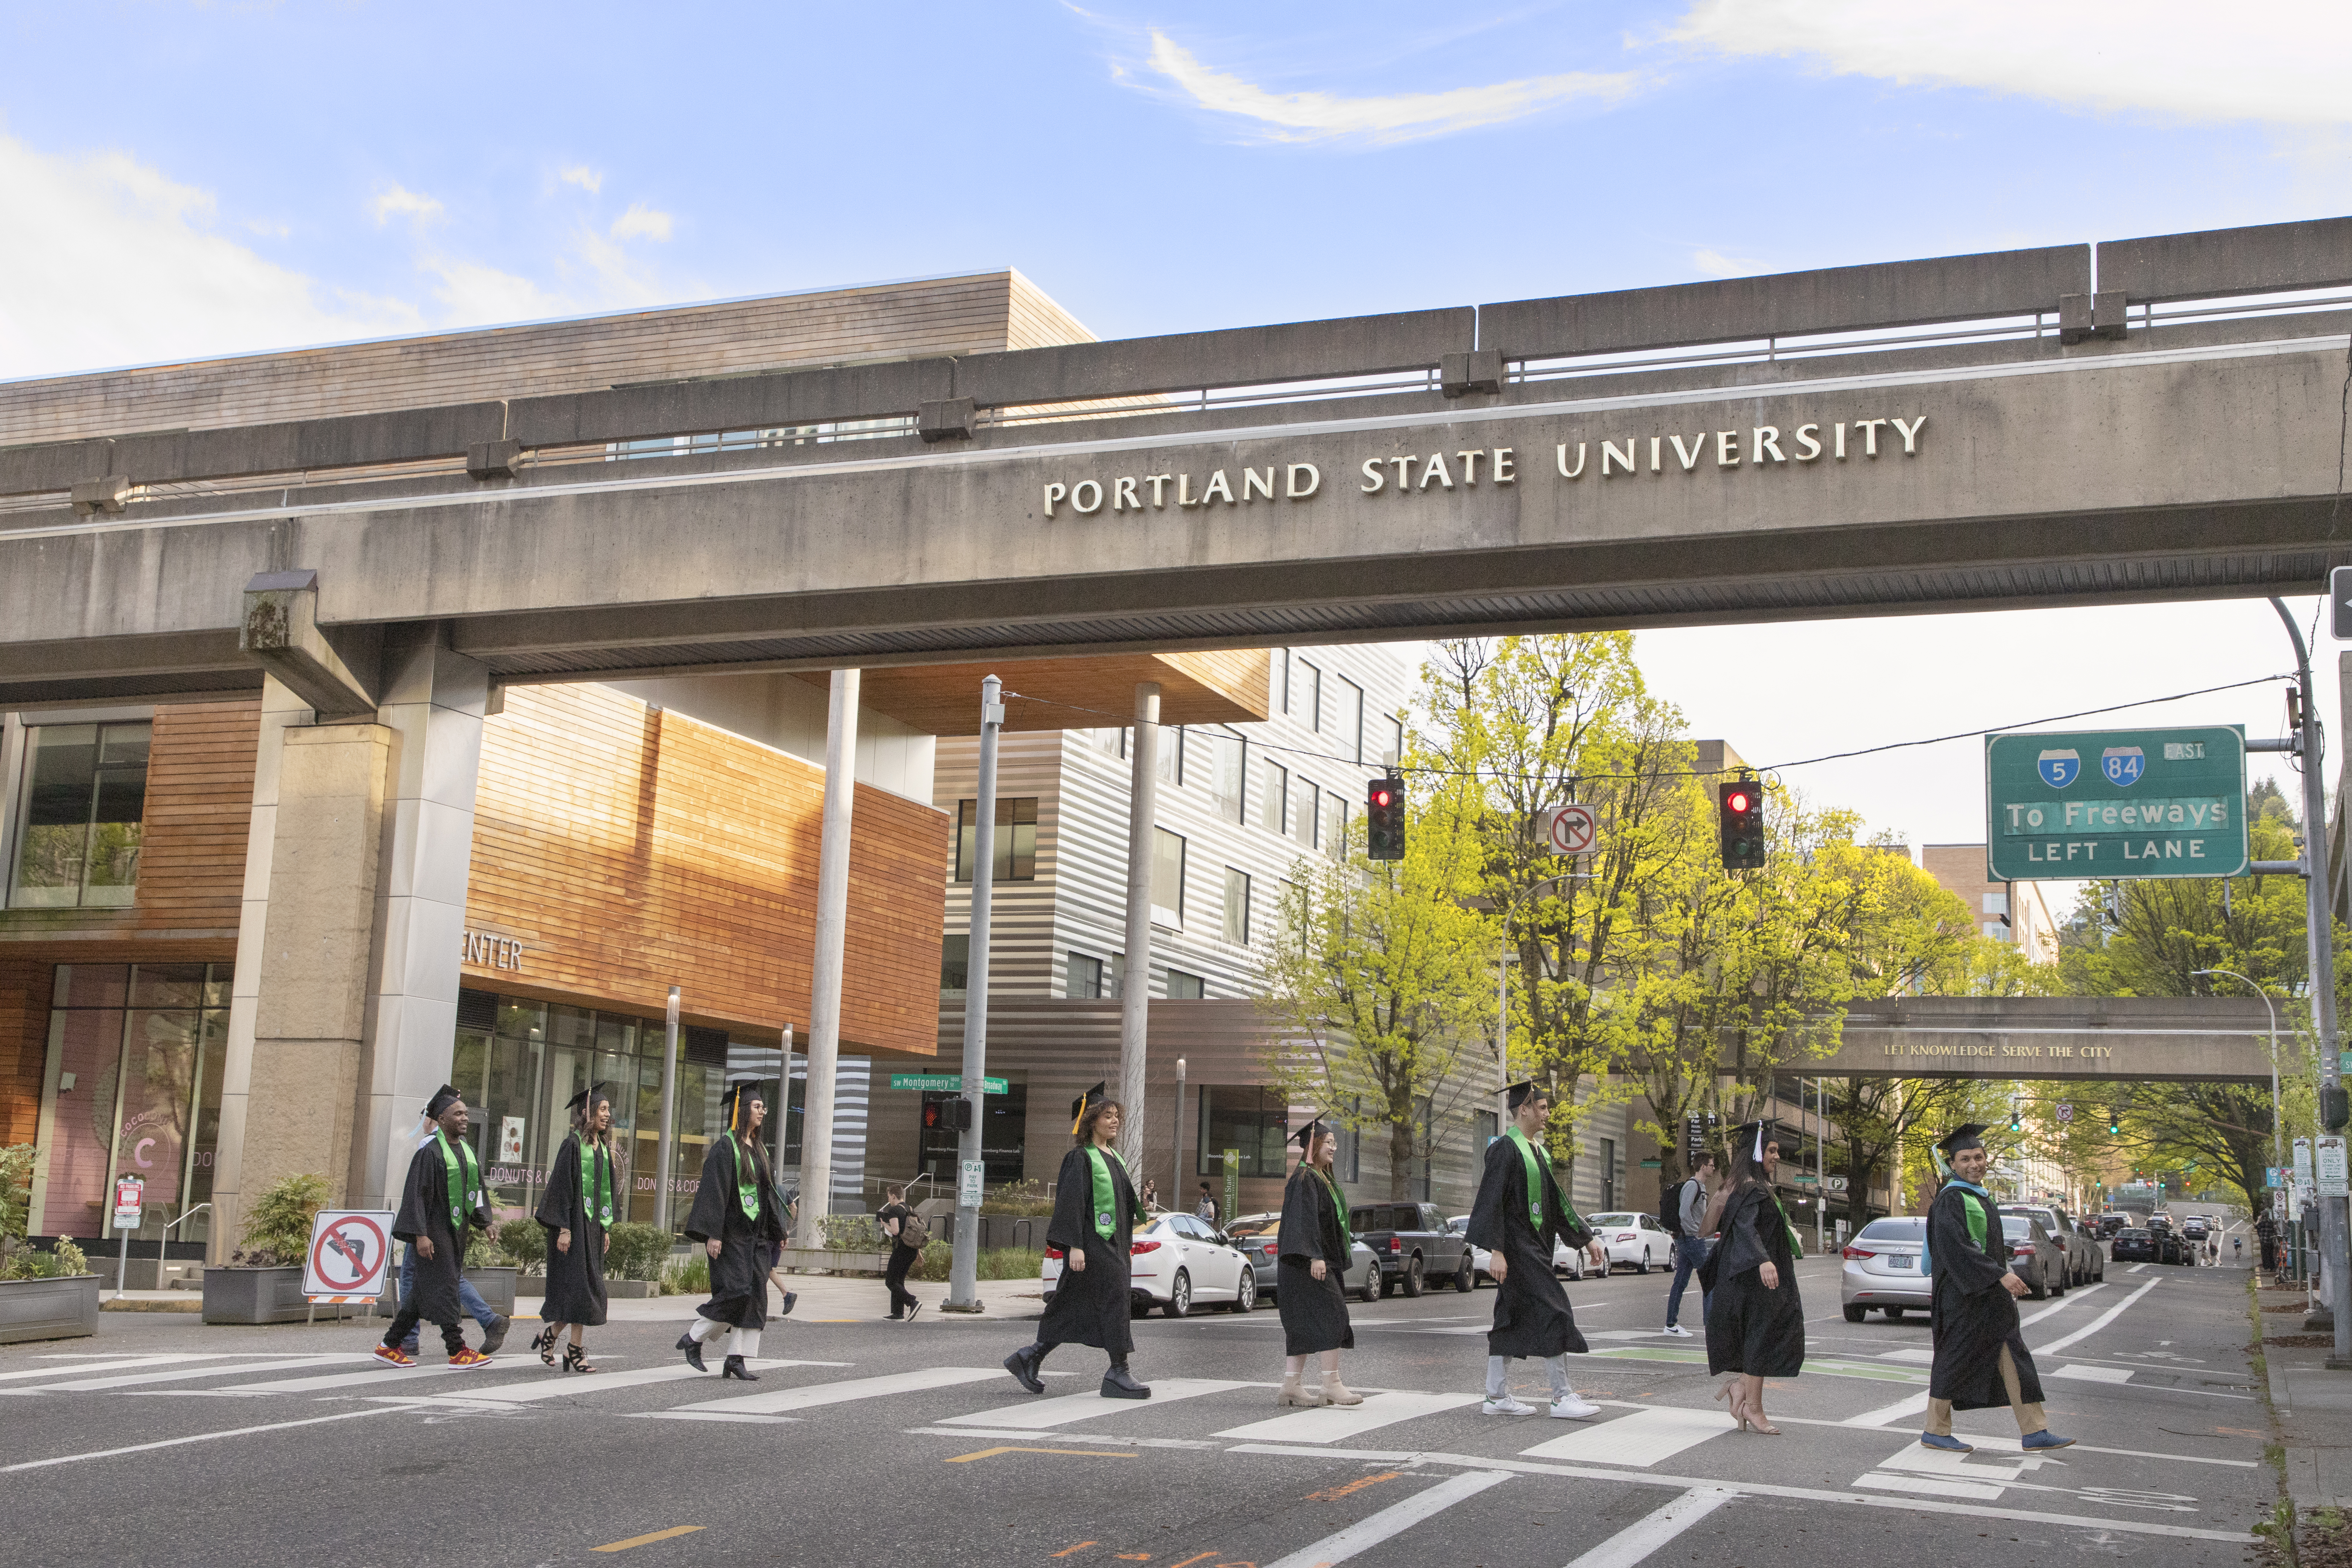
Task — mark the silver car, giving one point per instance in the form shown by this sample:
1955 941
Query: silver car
2086 1260
1882 1269
1257 1235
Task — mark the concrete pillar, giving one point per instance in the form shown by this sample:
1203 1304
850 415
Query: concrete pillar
832 937
1135 989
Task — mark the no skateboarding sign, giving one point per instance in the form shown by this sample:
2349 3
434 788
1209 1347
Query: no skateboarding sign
349 1250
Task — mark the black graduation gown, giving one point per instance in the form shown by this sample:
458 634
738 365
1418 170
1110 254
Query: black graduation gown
1751 1329
1970 1316
575 1280
747 1248
1090 1305
424 1213
1314 1311
1532 1317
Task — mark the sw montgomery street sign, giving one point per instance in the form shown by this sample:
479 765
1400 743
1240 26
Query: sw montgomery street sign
945 1083
2117 803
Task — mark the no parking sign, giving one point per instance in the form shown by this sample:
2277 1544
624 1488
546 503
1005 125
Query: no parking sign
349 1250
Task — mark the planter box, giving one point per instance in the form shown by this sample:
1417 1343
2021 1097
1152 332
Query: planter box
631 1290
824 1260
496 1286
64 1309
255 1296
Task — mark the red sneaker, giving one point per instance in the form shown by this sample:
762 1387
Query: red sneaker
469 1357
392 1355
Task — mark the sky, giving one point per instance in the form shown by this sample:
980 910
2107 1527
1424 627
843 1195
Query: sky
179 180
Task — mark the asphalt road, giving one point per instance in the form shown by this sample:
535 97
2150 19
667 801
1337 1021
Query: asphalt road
872 1442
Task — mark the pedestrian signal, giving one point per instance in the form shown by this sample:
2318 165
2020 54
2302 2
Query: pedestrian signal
1384 819
1742 813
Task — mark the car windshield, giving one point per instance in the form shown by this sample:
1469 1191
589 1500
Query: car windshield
1617 1219
1257 1225
2132 1233
2016 1227
1910 1230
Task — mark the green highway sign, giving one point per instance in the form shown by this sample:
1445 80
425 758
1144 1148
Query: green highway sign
944 1083
2116 802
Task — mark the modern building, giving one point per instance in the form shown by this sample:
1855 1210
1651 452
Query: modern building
2008 911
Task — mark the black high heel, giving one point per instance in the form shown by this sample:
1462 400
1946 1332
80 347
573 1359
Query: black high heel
545 1344
734 1368
575 1359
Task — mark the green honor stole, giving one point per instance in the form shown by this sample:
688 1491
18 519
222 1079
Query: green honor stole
1105 1199
747 1193
597 1182
1338 1202
1538 1162
465 1184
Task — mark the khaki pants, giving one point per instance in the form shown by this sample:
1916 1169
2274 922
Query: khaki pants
2029 1416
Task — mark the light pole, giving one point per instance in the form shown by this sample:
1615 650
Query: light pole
2277 1123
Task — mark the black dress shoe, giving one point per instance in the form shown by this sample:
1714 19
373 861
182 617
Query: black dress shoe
1119 1384
734 1368
693 1349
496 1335
1023 1367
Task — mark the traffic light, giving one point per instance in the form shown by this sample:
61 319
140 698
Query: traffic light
1742 813
2115 1118
2013 1125
1384 818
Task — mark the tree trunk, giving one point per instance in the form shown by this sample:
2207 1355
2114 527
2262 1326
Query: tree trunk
1399 1159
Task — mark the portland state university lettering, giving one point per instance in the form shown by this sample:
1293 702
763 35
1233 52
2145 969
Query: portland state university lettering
1750 447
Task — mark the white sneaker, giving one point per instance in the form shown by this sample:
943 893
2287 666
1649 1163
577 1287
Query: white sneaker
1677 1329
1507 1406
1575 1407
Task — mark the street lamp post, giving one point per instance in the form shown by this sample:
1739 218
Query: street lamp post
2276 1121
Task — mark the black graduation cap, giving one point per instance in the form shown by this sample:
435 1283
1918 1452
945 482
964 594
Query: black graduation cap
1078 1107
1762 1129
1519 1092
443 1098
1305 1136
1961 1137
730 1099
596 1090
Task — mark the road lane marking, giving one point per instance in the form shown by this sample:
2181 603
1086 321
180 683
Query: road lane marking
1646 1437
554 1386
851 1390
110 1364
2095 1324
968 1432
674 1531
1392 1520
2082 1374
1037 1418
1887 1416
1076 1453
2073 1296
1336 1423
175 1374
2136 1268
1634 1543
196 1437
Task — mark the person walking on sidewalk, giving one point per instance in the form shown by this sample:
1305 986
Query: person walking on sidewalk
1754 1323
1981 1355
1519 1209
1691 1244
1094 1214
576 1212
900 1223
2266 1233
1313 1246
738 1218
440 1204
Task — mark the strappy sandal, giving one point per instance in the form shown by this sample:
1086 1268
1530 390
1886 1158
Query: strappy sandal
575 1359
545 1344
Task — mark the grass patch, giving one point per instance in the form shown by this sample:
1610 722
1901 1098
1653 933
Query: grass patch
995 1263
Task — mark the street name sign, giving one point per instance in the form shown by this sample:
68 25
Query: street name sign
945 1083
2116 802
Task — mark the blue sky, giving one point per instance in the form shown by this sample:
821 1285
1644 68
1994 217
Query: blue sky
179 180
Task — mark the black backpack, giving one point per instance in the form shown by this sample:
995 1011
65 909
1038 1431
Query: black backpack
1670 1208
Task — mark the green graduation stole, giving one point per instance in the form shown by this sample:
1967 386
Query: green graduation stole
1339 1203
597 1182
746 1192
1796 1243
1106 1200
1529 1156
465 1189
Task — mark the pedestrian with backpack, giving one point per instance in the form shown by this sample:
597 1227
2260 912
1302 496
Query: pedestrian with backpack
907 1231
1685 1214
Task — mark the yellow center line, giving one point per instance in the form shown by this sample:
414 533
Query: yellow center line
1076 1453
648 1540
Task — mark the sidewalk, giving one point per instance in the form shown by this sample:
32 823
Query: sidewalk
2313 1408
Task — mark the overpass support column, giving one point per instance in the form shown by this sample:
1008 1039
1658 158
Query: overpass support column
1135 986
832 937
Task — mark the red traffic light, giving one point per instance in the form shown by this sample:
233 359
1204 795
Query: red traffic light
1736 801
1379 797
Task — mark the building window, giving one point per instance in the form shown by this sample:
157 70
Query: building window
1608 1172
1083 978
1237 907
1249 1118
1015 849
1303 815
1167 877
1486 1126
80 818
1290 913
955 962
1110 742
1393 753
1306 694
1274 810
1228 766
1351 719
1183 987
1170 756
1335 825
1117 976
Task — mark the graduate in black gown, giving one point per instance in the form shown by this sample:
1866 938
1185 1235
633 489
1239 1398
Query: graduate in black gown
1519 1209
1981 1361
1754 1323
1312 1249
738 1218
1094 1214
577 1214
440 1206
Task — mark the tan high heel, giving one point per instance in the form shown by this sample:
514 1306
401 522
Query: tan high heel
1733 1393
1293 1394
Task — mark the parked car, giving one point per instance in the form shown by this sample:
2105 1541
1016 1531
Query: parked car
2038 1258
2111 1222
2085 1260
1257 1234
1178 1262
2173 1248
1415 1246
1882 1269
2197 1227
2134 1243
1636 1241
1572 1261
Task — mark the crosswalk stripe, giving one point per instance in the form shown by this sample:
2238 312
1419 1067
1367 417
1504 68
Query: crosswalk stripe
1082 1406
853 1389
180 1373
1636 1541
1335 1423
1642 1439
549 1385
387 1377
114 1364
1391 1520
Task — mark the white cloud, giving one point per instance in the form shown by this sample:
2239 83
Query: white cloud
641 221
1715 264
588 180
2285 67
1398 117
395 202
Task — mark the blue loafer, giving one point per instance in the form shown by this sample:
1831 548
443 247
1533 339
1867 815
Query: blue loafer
1944 1442
2044 1440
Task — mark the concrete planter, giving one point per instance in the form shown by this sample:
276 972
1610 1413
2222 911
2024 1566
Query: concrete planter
496 1286
631 1290
63 1308
824 1260
255 1296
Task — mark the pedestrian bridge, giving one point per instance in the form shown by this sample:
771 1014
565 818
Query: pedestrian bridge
2163 1039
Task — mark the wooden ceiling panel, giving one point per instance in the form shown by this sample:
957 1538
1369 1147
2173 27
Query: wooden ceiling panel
1219 688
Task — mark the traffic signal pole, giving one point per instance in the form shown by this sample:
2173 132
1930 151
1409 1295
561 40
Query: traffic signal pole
963 1268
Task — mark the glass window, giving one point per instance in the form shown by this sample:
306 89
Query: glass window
85 797
1290 911
1117 984
1110 742
1274 809
1345 1161
1015 848
1486 1126
1351 719
1335 825
1303 813
1237 907
1899 1229
1170 758
1083 978
1228 766
1250 1118
1183 987
1306 694
1393 753
955 961
1167 877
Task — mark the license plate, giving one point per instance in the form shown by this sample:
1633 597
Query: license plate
1902 1262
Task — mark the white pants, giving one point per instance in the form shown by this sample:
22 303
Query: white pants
739 1342
1499 1371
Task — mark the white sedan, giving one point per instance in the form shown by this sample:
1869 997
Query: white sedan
1177 1262
1565 1259
1636 1241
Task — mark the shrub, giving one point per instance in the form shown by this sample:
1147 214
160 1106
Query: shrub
1021 1199
15 1197
636 1252
995 1263
65 1260
277 1231
854 1233
689 1276
524 1241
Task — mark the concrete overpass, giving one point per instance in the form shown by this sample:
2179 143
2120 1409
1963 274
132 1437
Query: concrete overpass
2161 1039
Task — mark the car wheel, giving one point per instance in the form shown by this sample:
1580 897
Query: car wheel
1371 1288
1853 1314
1412 1268
1245 1299
1140 1308
1465 1278
1180 1296
2036 1289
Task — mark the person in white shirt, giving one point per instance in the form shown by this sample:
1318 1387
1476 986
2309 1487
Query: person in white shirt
1690 1244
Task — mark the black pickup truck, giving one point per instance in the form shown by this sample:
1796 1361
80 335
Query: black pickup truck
1413 1246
